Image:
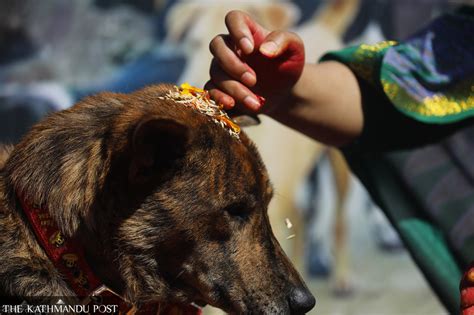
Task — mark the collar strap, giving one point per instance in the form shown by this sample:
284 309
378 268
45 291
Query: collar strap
67 256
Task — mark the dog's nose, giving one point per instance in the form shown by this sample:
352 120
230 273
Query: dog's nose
301 300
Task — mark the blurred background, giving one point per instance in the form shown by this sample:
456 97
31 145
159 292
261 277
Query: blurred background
54 52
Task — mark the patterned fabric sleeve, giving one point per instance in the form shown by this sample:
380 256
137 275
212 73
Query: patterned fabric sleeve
416 93
430 77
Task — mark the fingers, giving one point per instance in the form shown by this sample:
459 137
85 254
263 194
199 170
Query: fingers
244 30
278 42
220 97
222 86
247 34
223 53
231 76
248 102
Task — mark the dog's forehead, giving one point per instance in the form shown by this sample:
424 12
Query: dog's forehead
200 101
229 158
261 171
243 170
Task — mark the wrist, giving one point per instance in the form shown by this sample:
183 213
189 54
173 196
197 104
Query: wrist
297 98
294 96
324 104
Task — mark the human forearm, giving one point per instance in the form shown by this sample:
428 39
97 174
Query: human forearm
325 104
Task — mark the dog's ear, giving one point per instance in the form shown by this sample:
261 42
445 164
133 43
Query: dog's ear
157 144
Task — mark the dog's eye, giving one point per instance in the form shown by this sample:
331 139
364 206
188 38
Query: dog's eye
238 209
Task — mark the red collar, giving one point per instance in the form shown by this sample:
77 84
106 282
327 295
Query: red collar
67 255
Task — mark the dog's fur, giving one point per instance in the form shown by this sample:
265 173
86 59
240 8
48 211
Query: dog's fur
168 206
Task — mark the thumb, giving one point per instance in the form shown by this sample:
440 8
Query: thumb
279 42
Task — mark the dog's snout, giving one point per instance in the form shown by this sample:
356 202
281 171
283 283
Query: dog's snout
301 300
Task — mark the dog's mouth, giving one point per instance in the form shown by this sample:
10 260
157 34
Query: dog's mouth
185 293
215 299
201 299
195 295
200 303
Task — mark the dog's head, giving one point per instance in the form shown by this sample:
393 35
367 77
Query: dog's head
177 206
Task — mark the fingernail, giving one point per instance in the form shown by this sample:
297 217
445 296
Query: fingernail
228 102
246 45
251 102
269 48
248 79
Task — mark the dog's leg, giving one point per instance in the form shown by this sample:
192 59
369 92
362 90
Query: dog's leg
341 256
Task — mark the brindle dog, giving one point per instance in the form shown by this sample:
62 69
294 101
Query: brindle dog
168 206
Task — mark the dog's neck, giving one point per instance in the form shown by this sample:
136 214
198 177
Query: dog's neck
21 241
25 261
25 268
93 260
100 258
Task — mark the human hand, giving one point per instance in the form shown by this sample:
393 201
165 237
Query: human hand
253 68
